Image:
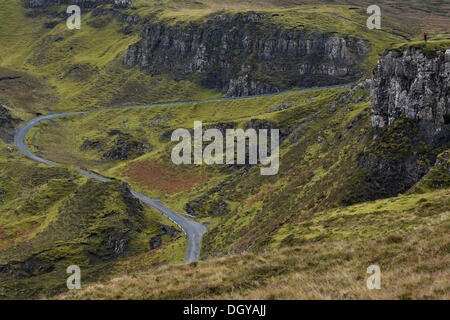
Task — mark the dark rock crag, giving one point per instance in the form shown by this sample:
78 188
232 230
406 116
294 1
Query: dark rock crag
110 240
7 125
117 146
410 117
157 241
412 85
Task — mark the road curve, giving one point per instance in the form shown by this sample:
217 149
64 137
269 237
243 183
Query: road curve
194 231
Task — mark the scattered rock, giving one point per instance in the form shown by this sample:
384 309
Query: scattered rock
88 145
169 230
155 242
281 107
51 24
166 135
332 109
9 78
125 148
118 243
221 126
7 125
443 162
259 124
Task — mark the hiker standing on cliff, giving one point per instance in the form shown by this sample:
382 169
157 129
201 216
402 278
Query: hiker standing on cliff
425 36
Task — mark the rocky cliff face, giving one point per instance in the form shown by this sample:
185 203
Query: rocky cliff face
410 115
245 54
415 85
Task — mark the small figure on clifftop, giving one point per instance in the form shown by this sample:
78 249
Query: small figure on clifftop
425 36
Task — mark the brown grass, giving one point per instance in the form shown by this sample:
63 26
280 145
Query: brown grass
160 177
433 14
412 270
15 235
414 263
24 93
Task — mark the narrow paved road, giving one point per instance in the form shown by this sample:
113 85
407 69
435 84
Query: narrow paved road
194 231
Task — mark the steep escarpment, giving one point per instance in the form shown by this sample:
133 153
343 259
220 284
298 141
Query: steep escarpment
414 84
411 120
246 54
332 160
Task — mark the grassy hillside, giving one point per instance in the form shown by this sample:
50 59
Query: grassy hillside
407 237
423 14
308 232
325 133
83 68
52 218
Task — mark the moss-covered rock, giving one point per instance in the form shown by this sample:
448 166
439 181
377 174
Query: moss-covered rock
116 145
7 124
437 178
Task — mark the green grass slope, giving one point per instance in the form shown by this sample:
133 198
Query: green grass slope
325 135
302 226
432 13
407 237
51 218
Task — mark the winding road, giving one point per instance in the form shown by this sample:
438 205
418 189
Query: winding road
194 231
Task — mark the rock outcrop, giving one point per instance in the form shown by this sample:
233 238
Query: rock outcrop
7 125
116 146
410 116
124 148
443 162
157 241
246 54
413 84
